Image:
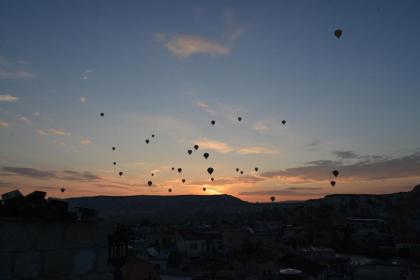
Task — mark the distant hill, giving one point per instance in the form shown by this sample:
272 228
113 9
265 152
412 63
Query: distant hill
149 205
181 206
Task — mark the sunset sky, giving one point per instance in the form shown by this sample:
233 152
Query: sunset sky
170 67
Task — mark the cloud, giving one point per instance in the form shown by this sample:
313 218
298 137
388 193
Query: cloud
261 126
78 176
24 119
85 75
57 142
34 173
30 172
8 98
203 105
36 114
256 150
136 164
214 145
15 74
85 141
4 124
345 154
247 179
183 46
82 99
296 191
58 132
42 132
366 168
224 148
314 144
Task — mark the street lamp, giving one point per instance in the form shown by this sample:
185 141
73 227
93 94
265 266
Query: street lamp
118 250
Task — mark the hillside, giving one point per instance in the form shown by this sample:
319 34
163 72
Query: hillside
147 205
182 206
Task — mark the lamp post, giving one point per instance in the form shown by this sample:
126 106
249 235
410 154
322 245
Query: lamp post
118 250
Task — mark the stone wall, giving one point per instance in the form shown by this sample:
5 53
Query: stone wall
70 251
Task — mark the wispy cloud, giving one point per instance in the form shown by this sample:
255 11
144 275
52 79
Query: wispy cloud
240 180
203 105
82 99
57 132
42 132
85 75
85 141
136 163
366 168
11 69
224 148
4 124
24 119
261 126
345 154
77 176
257 150
215 145
53 132
50 174
8 98
295 191
183 46
314 144
7 74
58 142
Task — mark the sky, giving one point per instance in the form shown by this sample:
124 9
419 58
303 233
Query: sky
170 67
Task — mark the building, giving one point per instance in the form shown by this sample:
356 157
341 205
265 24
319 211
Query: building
196 244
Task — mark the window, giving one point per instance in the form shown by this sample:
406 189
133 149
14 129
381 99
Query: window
193 246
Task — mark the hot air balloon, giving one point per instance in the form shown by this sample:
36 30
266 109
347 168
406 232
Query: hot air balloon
332 183
113 148
210 170
212 179
169 190
189 152
173 168
283 122
153 174
183 181
115 163
213 122
196 147
102 114
62 190
272 198
206 155
179 170
256 169
153 136
338 33
147 141
204 189
242 172
239 119
237 169
335 173
149 183
120 173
